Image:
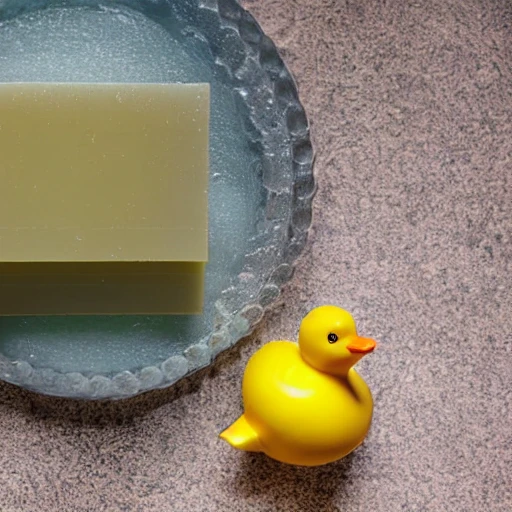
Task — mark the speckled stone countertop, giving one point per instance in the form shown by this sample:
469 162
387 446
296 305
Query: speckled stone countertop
411 111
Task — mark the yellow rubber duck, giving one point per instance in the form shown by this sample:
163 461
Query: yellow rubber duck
304 403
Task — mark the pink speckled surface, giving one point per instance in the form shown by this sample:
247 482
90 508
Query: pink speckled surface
411 110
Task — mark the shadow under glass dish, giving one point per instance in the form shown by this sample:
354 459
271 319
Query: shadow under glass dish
251 184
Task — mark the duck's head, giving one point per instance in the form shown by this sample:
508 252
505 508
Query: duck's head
329 342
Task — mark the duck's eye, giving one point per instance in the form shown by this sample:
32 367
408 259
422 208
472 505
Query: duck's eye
333 338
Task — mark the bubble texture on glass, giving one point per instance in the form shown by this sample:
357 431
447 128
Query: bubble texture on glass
261 182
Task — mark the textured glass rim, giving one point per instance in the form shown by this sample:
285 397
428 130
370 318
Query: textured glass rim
231 322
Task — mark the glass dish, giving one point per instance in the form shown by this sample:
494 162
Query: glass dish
261 182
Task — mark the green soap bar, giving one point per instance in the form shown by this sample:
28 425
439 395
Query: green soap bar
104 180
100 288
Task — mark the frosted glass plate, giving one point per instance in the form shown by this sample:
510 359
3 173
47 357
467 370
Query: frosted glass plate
261 182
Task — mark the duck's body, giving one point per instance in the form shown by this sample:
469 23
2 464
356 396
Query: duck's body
296 413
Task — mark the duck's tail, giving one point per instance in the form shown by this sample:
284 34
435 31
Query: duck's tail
242 436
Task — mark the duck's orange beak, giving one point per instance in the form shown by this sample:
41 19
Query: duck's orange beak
360 345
